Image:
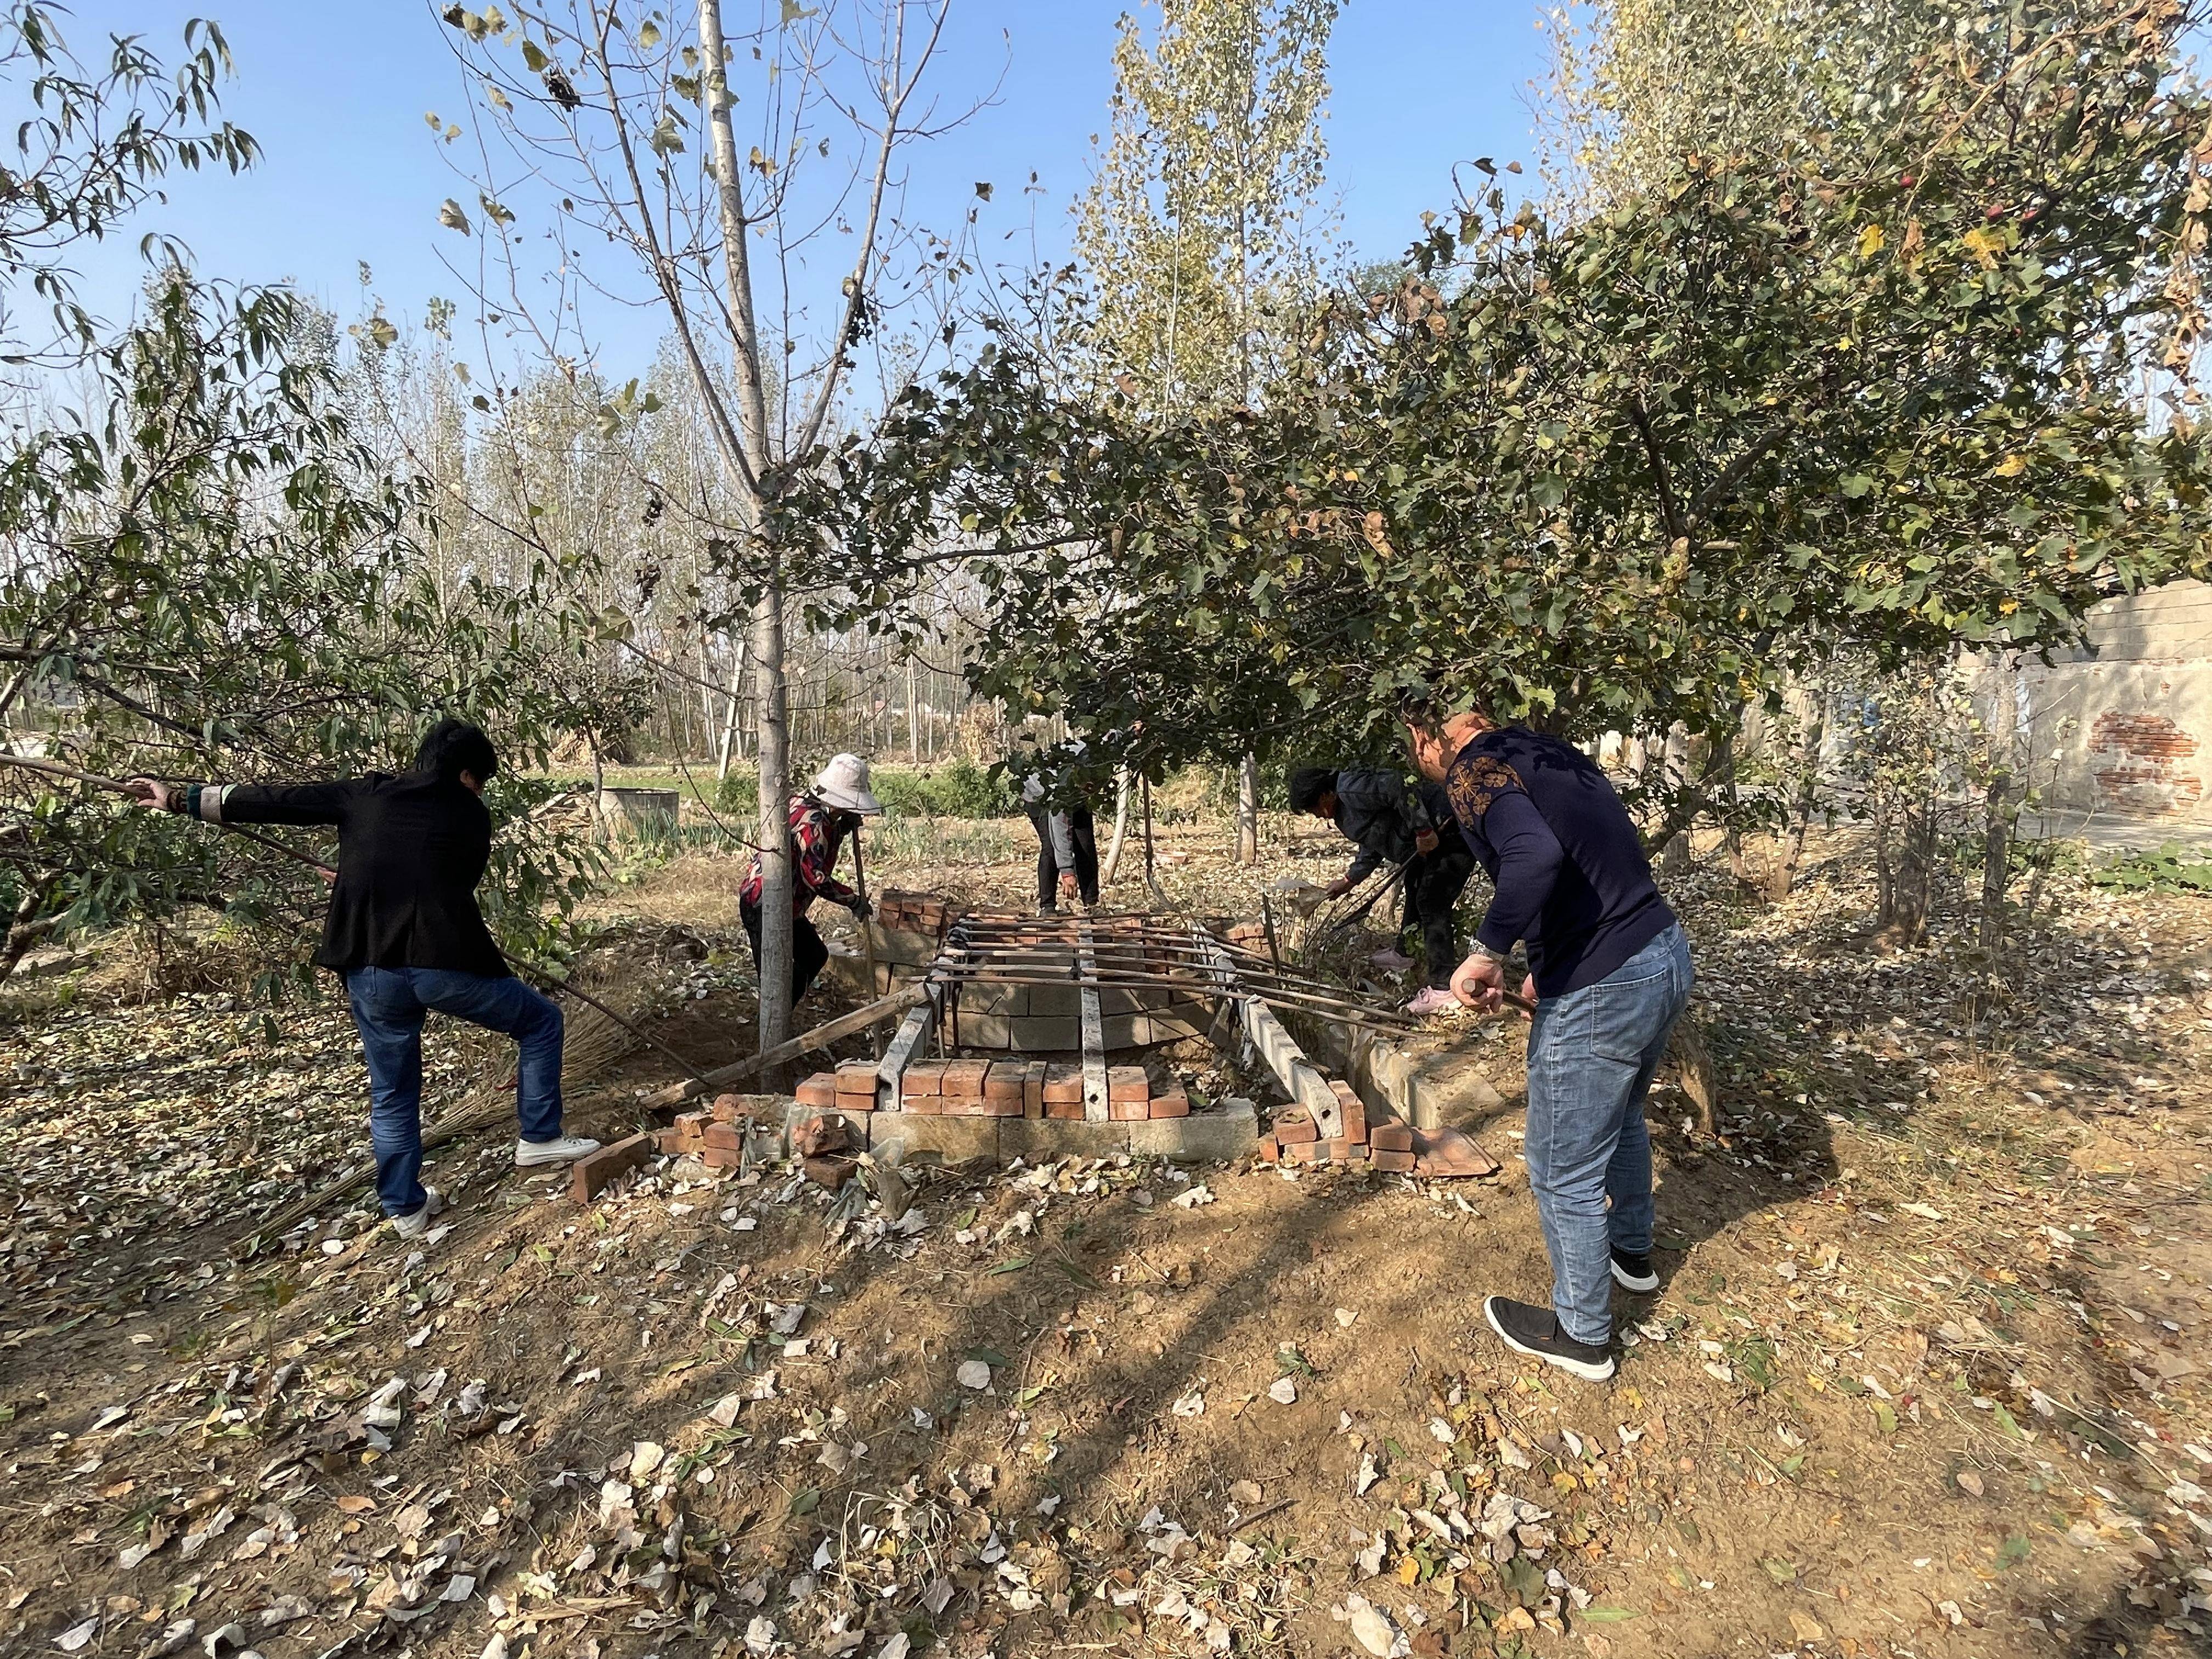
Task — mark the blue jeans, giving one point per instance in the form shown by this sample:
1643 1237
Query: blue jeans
1592 1053
388 1007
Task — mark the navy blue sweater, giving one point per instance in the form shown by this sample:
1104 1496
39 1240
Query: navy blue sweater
1571 878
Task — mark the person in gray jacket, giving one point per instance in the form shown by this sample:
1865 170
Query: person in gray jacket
1391 824
1067 845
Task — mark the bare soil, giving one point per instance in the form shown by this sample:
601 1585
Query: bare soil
1925 1375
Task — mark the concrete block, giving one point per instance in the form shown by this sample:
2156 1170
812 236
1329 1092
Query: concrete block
1040 1034
1220 1136
1037 1139
950 1139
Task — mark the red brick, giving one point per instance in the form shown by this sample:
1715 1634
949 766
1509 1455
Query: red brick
727 1109
1295 1127
1128 1083
669 1141
962 1105
724 1137
965 1077
855 1102
1343 1150
922 1077
1003 1106
924 1105
722 1157
1065 1109
820 1090
1353 1111
1063 1081
1033 1089
1128 1111
1170 1105
588 1177
1391 1136
856 1077
831 1172
1004 1082
1268 1150
1304 1151
1396 1163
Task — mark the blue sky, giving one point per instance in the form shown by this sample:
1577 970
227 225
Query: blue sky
336 91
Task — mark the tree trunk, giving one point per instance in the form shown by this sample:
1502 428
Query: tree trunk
913 718
1248 810
1999 805
27 927
1121 827
1801 816
730 714
772 835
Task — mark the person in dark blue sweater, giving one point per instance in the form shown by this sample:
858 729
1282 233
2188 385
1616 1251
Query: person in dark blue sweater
1609 972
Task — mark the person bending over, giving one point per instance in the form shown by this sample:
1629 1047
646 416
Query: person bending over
821 817
404 932
1067 844
1391 825
1610 974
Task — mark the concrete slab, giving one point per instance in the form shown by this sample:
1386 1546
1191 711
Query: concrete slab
951 1140
1211 1136
1037 1139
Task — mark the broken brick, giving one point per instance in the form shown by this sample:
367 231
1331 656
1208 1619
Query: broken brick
727 1109
1176 1104
589 1174
1395 1163
1268 1150
1128 1083
818 1137
820 1090
831 1172
1296 1127
1352 1112
1063 1081
1003 1081
1391 1136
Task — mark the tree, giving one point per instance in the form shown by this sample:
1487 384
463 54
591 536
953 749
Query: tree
1646 467
591 111
1203 228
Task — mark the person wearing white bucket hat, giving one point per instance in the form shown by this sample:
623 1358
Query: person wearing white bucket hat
819 820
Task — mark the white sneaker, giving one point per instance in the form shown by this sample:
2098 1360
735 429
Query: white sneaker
566 1150
413 1226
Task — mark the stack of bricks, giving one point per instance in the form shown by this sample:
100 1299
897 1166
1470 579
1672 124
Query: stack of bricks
850 1088
1032 1088
715 1136
1295 1138
1247 935
913 913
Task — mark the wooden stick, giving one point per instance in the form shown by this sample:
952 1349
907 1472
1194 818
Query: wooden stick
806 1043
867 939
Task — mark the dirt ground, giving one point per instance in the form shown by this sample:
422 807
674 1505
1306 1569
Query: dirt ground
1926 1375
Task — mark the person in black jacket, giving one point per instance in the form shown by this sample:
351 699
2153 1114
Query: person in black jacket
404 934
1391 825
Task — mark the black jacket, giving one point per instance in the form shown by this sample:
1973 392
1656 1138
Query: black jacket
1375 810
410 852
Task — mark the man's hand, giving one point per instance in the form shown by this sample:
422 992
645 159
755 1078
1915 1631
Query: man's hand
860 906
1528 989
1479 984
1338 888
1067 883
1424 841
151 793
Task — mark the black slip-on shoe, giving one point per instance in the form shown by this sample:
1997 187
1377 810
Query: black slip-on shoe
1632 1270
1535 1332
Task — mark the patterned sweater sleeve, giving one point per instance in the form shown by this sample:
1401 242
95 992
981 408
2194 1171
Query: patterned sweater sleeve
818 857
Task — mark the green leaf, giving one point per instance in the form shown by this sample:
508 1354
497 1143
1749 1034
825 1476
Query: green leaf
988 1356
1014 1265
1599 1613
1885 1417
2008 1422
806 1500
1782 1572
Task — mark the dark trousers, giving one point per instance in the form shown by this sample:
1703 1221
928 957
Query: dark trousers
388 1007
1085 834
808 952
1434 881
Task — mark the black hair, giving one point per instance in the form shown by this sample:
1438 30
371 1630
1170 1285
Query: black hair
1308 784
453 746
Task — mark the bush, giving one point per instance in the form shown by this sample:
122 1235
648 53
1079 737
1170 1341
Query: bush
739 791
956 789
2170 869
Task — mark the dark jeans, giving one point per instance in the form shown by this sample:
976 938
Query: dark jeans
1434 881
1084 831
808 952
1592 1055
388 1007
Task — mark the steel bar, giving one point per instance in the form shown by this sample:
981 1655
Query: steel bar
1301 1079
1358 1013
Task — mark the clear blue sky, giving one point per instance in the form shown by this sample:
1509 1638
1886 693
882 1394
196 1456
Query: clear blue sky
336 90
